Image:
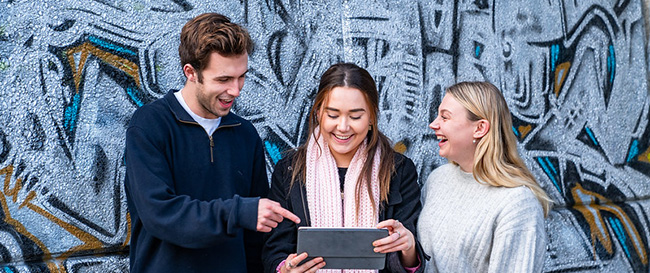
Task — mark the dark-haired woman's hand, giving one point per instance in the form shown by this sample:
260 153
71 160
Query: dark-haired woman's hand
291 264
399 239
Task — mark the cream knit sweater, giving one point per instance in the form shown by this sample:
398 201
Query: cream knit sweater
467 226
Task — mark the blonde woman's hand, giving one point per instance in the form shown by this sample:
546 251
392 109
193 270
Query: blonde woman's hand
292 261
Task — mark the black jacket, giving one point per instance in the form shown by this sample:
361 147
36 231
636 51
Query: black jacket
193 197
403 204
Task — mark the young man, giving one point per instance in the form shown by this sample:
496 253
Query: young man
194 170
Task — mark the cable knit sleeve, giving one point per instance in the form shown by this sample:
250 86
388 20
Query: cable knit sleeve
520 236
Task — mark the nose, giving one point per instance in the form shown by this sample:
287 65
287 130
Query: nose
236 87
343 124
434 124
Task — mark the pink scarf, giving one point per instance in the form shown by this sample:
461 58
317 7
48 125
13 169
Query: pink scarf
324 192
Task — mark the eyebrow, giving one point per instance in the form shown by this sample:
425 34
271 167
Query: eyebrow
230 77
352 111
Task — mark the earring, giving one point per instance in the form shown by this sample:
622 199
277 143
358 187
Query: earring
474 141
369 127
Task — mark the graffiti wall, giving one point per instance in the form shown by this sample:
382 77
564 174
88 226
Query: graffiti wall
574 74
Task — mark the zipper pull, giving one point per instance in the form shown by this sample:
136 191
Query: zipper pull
211 148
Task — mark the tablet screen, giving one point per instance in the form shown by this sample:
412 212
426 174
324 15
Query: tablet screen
342 248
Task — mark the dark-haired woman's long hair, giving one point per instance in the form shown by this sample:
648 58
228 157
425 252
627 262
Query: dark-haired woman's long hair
352 76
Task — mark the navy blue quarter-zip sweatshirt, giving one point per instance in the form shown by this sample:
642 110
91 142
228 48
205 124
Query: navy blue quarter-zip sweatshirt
193 197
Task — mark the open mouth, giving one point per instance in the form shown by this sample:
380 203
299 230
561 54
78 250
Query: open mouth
226 103
441 139
342 137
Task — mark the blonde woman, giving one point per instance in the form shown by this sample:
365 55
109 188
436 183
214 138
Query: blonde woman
484 211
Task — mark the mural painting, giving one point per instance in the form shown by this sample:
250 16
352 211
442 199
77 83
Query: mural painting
574 74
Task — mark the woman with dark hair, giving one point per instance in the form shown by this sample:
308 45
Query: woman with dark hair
346 175
484 211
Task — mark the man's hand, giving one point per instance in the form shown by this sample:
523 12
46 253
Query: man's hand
270 213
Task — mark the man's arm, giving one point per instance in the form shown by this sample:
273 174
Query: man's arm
178 219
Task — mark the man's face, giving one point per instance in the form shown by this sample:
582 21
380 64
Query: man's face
221 81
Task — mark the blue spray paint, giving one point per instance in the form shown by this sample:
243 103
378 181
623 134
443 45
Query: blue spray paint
555 55
515 130
620 233
548 171
131 91
273 151
110 46
71 113
634 150
591 136
611 64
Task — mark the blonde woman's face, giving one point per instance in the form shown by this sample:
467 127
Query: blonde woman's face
455 132
344 123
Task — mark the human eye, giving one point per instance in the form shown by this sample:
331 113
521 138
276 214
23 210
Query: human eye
355 118
332 114
444 115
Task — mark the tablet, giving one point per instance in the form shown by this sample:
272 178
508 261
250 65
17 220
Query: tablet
342 248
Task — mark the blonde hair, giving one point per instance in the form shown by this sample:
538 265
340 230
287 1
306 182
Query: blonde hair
496 159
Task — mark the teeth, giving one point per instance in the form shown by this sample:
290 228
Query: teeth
441 138
342 137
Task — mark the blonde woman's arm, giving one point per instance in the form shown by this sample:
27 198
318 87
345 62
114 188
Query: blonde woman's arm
520 239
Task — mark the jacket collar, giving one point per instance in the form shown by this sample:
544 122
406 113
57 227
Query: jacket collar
182 115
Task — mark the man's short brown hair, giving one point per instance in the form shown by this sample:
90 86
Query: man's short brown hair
211 32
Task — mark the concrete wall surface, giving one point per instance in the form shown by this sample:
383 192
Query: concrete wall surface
574 73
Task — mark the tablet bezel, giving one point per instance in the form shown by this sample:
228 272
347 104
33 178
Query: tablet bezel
342 247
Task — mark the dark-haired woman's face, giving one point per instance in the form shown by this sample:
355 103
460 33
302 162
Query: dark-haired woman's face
344 123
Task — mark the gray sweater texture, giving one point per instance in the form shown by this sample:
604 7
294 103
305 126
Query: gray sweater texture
467 226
